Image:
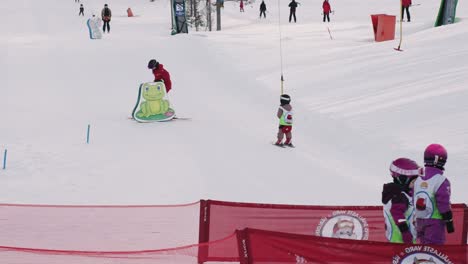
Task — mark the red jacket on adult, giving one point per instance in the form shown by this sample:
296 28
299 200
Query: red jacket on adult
161 74
406 3
326 7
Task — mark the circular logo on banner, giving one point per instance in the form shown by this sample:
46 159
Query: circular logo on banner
343 224
421 255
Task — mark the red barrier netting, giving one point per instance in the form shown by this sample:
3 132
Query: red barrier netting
218 219
178 255
98 228
260 246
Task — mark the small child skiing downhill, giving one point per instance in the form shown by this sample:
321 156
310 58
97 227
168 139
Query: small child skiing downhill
432 198
285 116
397 197
160 73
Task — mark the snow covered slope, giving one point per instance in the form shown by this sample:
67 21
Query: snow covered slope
358 104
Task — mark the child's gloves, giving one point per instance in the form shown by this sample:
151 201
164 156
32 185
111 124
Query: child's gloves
448 218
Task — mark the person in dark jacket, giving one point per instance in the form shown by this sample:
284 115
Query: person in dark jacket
397 197
263 9
106 16
326 10
405 4
81 10
160 73
292 10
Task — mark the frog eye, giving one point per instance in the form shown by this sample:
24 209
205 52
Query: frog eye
159 88
147 88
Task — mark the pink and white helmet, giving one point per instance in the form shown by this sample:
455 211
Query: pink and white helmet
435 155
404 167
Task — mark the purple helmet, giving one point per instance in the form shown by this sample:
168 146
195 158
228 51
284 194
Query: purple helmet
404 167
404 170
435 155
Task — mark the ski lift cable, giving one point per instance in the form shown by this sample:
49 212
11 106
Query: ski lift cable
401 25
281 46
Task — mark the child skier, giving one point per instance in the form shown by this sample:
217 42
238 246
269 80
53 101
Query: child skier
241 6
432 198
397 197
160 73
285 119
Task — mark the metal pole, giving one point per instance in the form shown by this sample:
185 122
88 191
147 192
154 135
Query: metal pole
218 16
87 134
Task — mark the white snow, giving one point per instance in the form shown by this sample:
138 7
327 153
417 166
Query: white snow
358 104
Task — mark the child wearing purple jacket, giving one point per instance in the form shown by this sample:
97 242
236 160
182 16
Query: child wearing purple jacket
432 198
397 197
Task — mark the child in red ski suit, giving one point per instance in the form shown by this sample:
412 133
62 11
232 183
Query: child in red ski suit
160 73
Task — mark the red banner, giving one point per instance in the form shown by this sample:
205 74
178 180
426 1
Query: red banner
218 219
177 255
261 246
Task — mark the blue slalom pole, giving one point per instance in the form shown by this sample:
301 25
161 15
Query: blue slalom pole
87 134
4 159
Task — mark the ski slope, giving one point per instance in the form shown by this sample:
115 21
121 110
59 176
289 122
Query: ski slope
358 104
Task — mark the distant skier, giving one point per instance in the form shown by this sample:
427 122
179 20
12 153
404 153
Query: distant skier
326 10
405 4
285 116
432 198
292 10
81 10
263 9
106 15
160 73
397 197
241 5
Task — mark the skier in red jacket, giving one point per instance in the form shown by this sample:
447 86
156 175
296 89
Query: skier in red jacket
326 10
160 73
405 4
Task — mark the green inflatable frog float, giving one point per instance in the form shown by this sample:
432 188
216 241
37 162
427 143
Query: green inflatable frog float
154 104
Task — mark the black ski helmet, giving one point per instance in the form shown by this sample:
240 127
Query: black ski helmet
285 99
153 64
